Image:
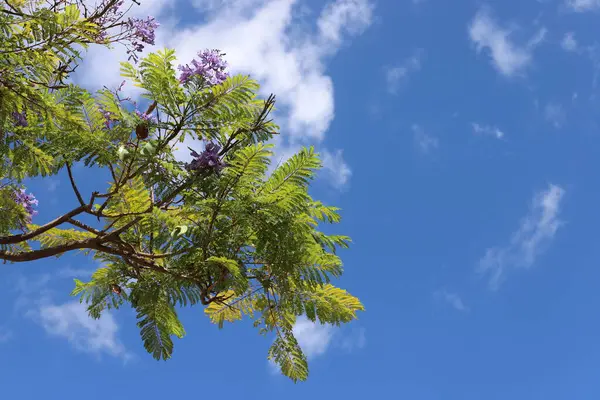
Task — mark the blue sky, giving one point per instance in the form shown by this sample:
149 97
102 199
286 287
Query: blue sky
460 139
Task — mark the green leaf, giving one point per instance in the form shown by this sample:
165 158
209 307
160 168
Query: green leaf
219 312
179 230
148 148
122 152
157 321
286 353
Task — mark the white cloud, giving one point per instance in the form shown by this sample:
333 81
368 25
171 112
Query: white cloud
100 66
583 5
141 8
487 130
337 169
534 235
396 75
453 299
425 142
260 38
350 17
295 67
313 338
508 57
568 42
72 322
555 114
69 320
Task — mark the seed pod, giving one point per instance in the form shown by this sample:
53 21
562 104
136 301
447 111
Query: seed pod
141 131
116 289
151 108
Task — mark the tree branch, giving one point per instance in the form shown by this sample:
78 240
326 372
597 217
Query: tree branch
47 252
74 186
44 228
83 226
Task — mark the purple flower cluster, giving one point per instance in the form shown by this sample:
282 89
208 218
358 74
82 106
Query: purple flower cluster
137 31
109 18
210 66
142 31
107 117
20 118
27 201
145 117
209 158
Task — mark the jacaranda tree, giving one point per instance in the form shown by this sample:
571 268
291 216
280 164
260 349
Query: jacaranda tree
223 231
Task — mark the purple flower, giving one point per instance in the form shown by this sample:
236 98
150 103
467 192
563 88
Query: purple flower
142 32
110 17
20 118
144 29
101 37
107 117
137 31
210 66
145 117
27 201
208 158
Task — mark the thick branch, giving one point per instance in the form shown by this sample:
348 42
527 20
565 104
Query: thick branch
44 228
47 252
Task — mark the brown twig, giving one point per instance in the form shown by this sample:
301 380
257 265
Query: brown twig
74 186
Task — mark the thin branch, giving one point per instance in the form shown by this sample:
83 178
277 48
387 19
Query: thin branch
83 226
74 186
164 255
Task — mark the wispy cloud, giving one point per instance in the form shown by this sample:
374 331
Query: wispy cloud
396 75
583 5
508 57
568 42
487 130
424 141
453 299
337 170
69 320
51 184
536 232
344 17
30 290
70 272
5 335
355 340
555 114
72 322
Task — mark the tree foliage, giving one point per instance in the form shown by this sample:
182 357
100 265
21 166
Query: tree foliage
224 232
